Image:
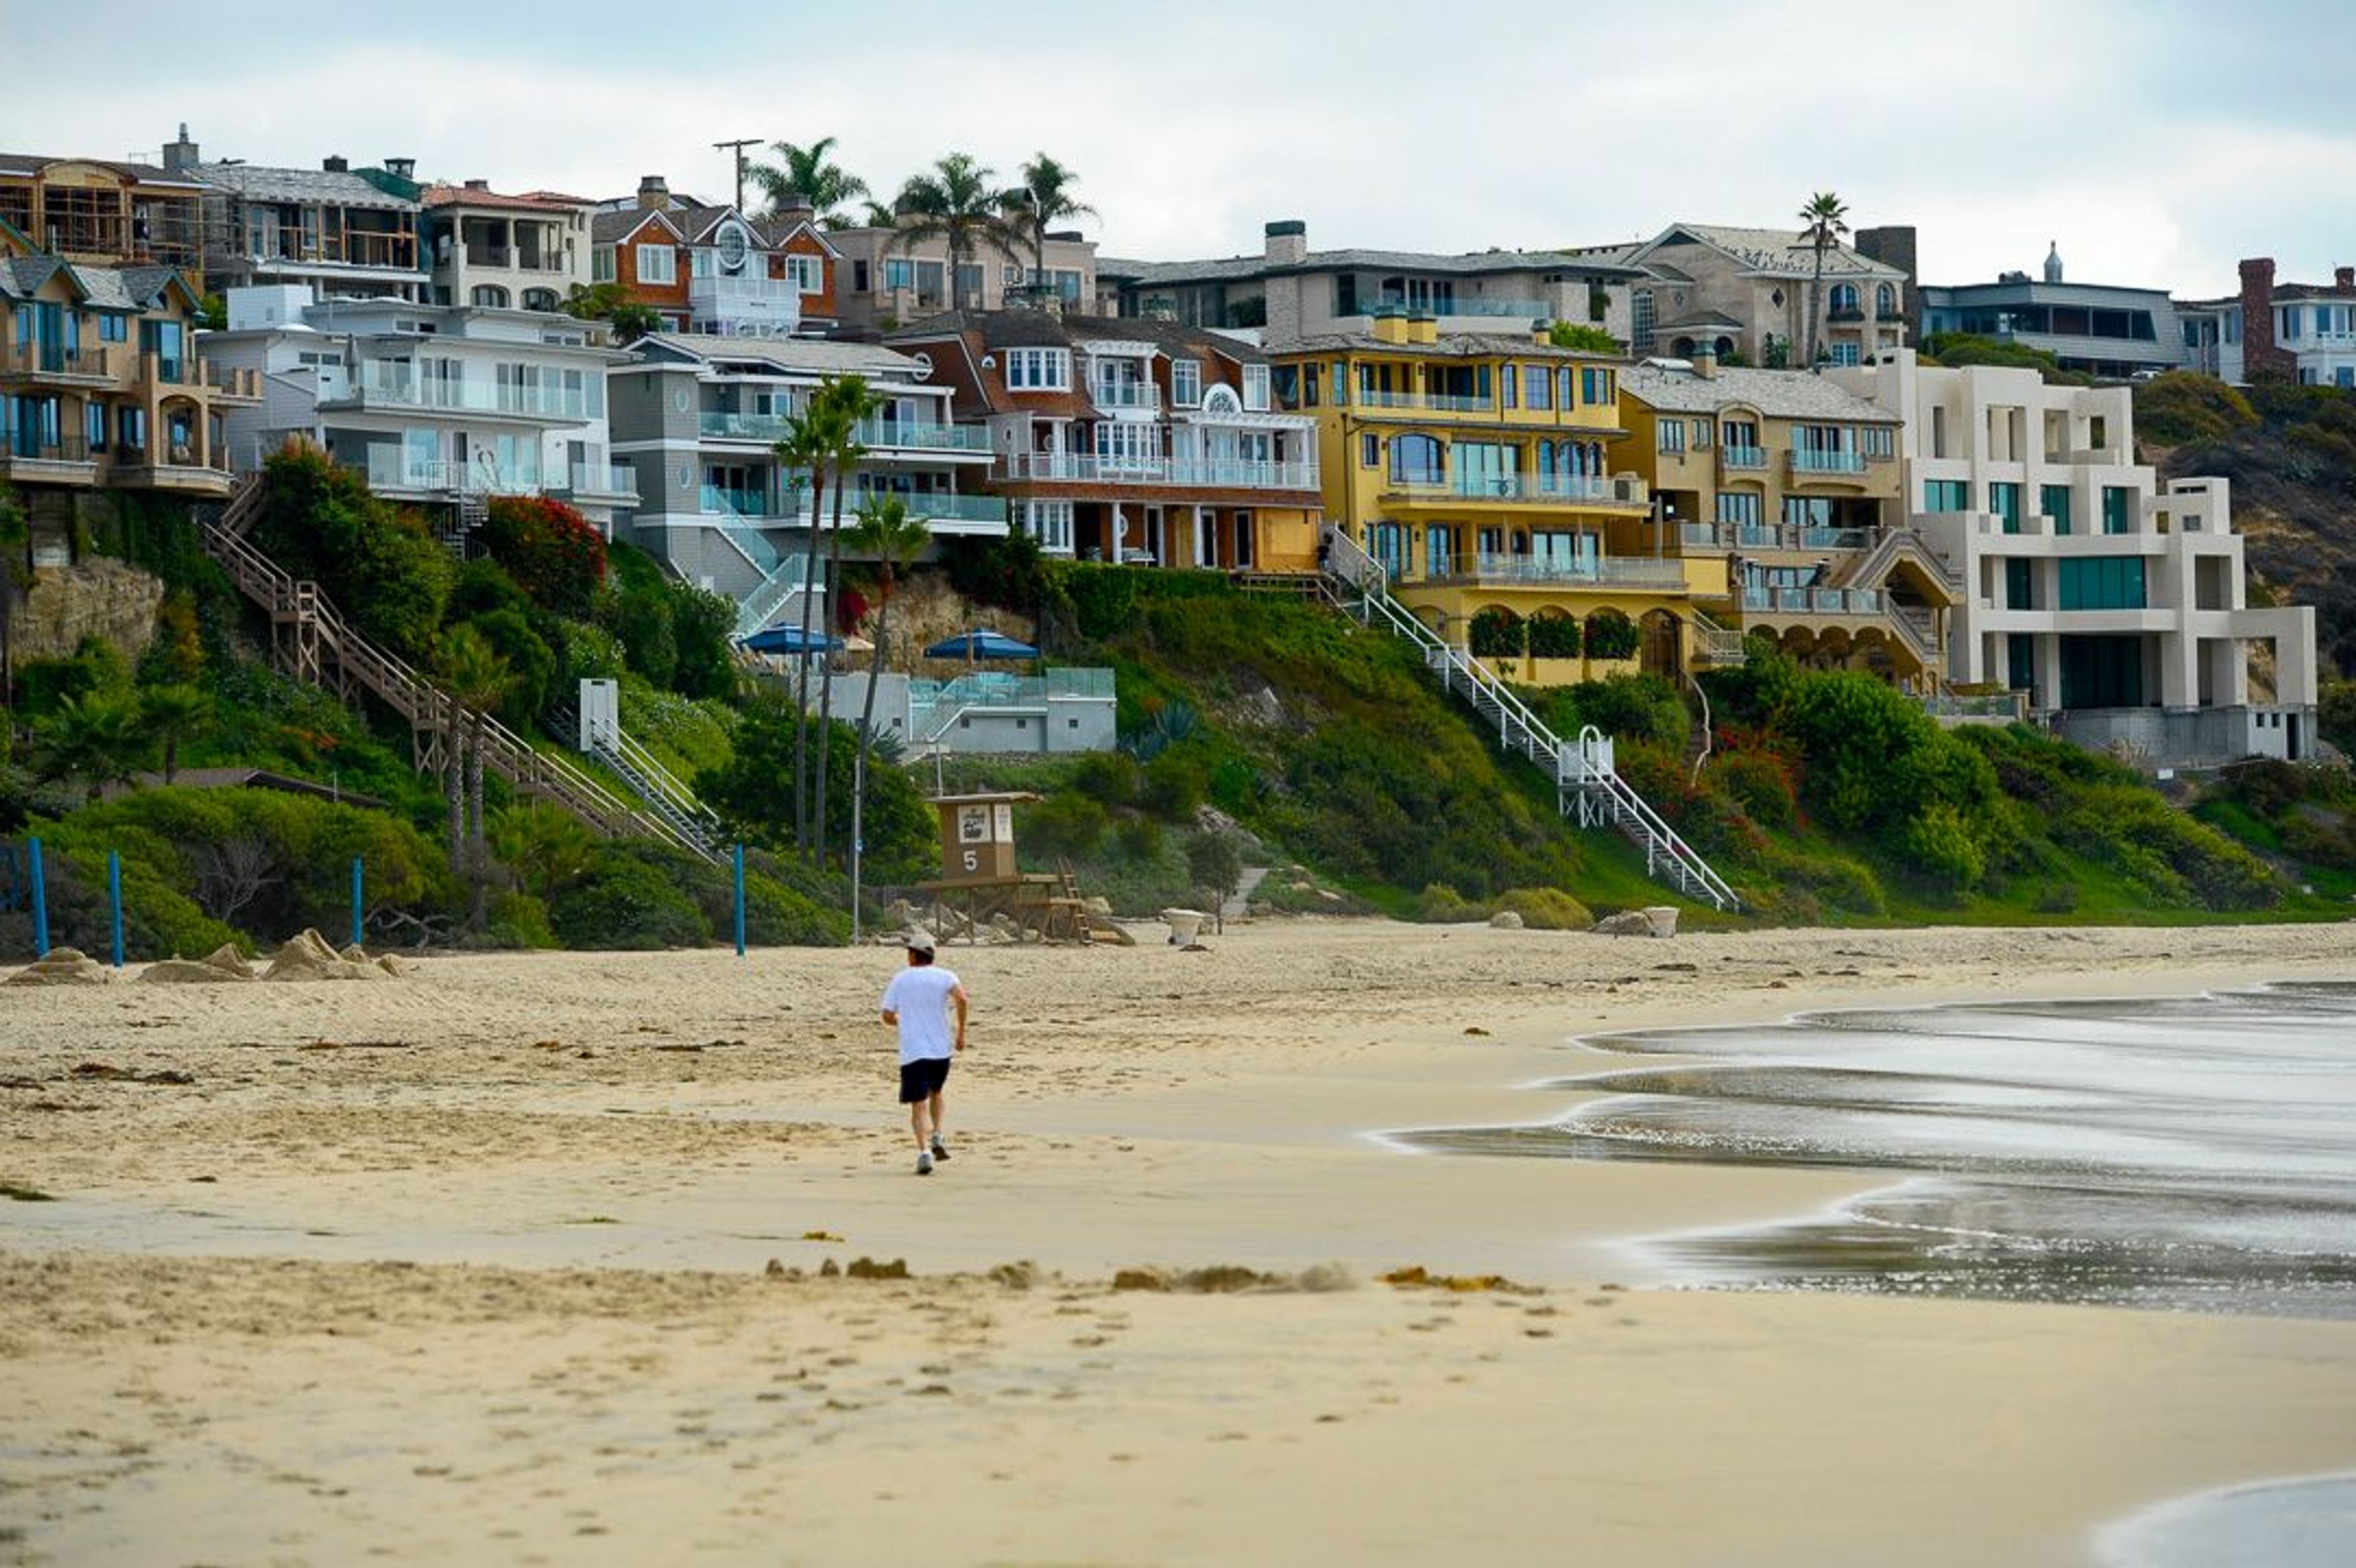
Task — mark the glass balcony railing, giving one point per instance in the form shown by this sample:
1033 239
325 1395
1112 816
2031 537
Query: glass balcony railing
1543 489
602 479
1803 462
720 500
1593 571
1741 458
876 435
1125 394
1433 402
389 468
531 400
1814 601
1188 473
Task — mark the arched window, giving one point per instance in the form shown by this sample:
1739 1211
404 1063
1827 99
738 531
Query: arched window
489 296
1885 300
539 299
1844 297
1417 460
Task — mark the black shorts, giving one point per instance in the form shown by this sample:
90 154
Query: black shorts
922 1079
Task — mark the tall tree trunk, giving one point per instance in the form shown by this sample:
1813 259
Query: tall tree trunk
1815 306
478 860
801 672
875 674
826 671
454 777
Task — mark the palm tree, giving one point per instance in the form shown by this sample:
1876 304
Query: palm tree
1044 197
477 678
611 304
955 202
852 404
171 714
805 172
810 443
1826 218
94 736
887 536
543 844
875 214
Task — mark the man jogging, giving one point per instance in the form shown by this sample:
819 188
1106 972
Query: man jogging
919 1000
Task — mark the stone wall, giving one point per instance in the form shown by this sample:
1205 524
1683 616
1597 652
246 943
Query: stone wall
97 598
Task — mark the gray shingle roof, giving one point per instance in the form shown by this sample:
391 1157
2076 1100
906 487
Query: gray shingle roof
607 227
1474 264
1779 251
1448 346
1037 330
343 190
1784 394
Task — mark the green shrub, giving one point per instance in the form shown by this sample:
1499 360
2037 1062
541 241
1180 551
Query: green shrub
1761 781
1610 634
1439 904
1175 783
1498 633
1064 827
1553 636
626 900
1112 778
518 920
1141 838
1547 909
1939 844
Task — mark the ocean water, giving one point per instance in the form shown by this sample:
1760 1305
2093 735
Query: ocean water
2196 1153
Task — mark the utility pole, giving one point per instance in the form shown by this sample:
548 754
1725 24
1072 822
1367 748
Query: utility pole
738 148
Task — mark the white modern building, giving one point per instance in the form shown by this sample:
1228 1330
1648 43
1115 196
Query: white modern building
700 418
2119 607
437 404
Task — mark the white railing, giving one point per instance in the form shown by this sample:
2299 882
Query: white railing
1545 489
1204 474
1617 571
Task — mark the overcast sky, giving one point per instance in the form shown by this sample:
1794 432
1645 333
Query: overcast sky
2158 141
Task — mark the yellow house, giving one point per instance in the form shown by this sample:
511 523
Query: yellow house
1794 486
1486 473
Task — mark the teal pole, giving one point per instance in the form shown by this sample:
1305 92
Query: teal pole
355 900
114 897
740 900
40 905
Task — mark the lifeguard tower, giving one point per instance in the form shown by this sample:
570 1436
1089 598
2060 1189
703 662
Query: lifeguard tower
979 881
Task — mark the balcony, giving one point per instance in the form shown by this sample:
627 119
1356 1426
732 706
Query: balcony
375 389
1120 395
389 469
1489 567
1750 458
615 481
977 513
774 304
1517 489
231 383
96 364
1808 462
1814 601
1180 473
1423 402
1845 314
1393 305
183 474
352 247
877 435
1773 536
66 460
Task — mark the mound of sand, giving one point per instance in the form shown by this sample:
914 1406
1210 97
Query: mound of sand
223 965
308 957
62 966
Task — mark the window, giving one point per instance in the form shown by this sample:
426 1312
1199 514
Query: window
1370 451
1067 283
1807 511
2106 582
1673 437
2118 509
1946 494
806 273
1506 385
1701 435
657 265
1307 385
858 276
1010 276
1038 369
1128 443
899 272
1877 440
1255 388
1185 383
2019 584
130 428
1846 353
1641 316
539 299
1597 386
1537 387
488 296
113 329
1340 383
1417 460
699 263
1049 522
2054 500
2004 500
1739 507
968 282
1885 300
1740 435
93 425
1842 300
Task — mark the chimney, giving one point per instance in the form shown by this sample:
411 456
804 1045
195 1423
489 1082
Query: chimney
1390 325
793 204
2344 278
337 164
654 192
478 184
182 155
401 169
1287 242
2259 355
1423 327
1705 360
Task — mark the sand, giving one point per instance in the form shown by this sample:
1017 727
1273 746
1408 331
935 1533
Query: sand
518 1259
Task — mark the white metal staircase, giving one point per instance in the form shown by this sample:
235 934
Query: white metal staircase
1586 785
690 822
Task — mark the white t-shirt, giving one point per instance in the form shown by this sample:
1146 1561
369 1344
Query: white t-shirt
920 996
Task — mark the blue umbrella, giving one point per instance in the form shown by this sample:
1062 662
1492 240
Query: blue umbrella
791 640
981 644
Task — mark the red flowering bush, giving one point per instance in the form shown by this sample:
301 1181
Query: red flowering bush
554 553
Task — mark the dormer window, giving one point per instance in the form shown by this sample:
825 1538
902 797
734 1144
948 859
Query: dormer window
1185 383
1256 388
657 265
1038 371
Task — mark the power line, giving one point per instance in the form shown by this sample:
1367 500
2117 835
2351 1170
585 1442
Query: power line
738 148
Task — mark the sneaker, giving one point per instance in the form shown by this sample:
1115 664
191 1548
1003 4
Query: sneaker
940 1150
924 1165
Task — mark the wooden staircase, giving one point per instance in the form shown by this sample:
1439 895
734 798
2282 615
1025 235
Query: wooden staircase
315 645
1586 784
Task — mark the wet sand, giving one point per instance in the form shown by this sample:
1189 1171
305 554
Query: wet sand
473 1266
